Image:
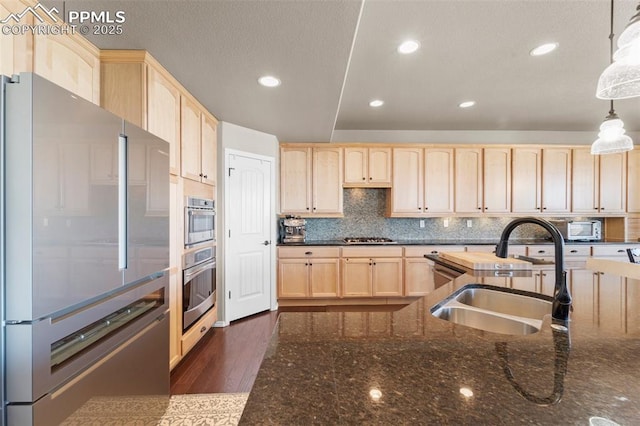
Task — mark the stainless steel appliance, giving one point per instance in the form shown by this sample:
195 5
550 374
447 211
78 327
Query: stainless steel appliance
368 240
199 284
199 221
86 246
579 230
293 229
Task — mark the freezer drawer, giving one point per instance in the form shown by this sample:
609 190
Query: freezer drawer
133 380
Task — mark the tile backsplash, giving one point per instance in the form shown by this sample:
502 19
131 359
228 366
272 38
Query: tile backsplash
364 216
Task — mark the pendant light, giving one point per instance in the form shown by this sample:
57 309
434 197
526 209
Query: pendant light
621 79
611 138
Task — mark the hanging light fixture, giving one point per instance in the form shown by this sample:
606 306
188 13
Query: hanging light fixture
611 138
621 79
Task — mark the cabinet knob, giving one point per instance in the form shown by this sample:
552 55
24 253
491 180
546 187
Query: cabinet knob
574 251
595 208
434 251
310 264
620 251
542 251
200 175
364 178
601 208
203 329
205 176
307 208
308 253
370 178
426 208
479 208
419 208
306 264
314 208
544 208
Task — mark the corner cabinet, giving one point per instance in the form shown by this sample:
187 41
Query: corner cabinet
311 181
367 167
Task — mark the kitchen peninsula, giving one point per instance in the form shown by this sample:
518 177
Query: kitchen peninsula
407 366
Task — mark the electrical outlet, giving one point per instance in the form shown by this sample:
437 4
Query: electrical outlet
421 223
469 223
446 223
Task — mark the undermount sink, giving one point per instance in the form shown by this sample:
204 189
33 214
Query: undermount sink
495 309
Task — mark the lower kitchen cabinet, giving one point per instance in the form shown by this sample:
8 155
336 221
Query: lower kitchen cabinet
306 272
418 276
366 273
197 330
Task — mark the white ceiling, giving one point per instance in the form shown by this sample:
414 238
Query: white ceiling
334 56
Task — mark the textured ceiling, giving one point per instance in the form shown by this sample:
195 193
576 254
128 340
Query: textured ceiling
469 50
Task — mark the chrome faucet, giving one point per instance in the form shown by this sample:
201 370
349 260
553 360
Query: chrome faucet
561 297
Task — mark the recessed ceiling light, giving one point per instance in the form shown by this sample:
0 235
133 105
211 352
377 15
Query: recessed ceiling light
543 49
269 81
467 104
376 103
408 46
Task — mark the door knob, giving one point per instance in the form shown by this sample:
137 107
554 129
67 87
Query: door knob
266 243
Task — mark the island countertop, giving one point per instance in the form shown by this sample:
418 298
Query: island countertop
407 366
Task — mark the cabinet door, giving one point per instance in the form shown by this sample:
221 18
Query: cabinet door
418 277
584 293
356 277
408 180
556 180
295 180
327 181
293 278
69 62
497 180
190 140
355 166
438 180
468 180
633 181
387 277
612 302
379 166
584 181
526 180
613 183
163 114
324 277
15 50
209 149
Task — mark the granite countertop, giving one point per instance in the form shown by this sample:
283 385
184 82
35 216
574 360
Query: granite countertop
448 242
408 367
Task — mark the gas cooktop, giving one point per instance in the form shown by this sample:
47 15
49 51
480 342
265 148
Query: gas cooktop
368 240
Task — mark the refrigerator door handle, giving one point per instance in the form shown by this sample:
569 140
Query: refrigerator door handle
122 202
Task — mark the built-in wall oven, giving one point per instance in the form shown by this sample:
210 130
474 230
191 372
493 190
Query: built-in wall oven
199 221
199 284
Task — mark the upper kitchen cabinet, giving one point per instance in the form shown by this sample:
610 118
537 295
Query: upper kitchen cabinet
16 50
135 86
69 61
599 182
422 182
633 181
496 171
468 180
367 167
199 138
311 181
541 181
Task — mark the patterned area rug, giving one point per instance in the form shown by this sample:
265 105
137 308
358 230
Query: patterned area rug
222 409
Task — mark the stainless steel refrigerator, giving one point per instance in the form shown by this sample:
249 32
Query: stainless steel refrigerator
85 261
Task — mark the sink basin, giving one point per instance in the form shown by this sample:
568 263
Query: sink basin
486 321
505 303
495 309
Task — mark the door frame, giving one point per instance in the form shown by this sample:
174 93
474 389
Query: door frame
224 235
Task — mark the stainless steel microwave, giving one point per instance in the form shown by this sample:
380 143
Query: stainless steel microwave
580 230
199 221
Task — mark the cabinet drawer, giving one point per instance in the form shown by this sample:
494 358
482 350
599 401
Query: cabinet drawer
420 251
302 252
199 329
372 251
541 250
582 251
610 250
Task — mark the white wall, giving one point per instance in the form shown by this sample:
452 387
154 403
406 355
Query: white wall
232 136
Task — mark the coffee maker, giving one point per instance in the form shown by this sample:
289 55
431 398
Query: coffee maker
292 229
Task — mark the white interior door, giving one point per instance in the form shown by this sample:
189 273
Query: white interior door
248 255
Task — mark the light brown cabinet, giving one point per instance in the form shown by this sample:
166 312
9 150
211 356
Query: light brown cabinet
16 51
198 142
367 167
372 272
599 182
633 181
422 182
163 113
311 181
308 272
541 180
468 180
483 180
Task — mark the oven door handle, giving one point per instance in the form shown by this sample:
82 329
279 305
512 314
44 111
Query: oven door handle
201 213
196 270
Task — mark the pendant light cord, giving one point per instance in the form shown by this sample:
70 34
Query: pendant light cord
612 112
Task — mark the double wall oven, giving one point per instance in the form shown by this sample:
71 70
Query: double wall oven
199 260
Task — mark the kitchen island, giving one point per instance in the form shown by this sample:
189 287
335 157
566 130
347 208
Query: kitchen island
407 366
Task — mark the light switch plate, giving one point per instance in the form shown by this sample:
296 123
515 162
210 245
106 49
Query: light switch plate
469 223
421 223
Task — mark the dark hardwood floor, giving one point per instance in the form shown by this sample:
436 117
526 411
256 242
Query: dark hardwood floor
225 360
